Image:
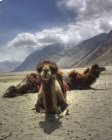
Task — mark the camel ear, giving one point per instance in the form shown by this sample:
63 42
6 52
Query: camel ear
39 68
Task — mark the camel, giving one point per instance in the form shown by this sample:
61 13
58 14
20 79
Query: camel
86 79
51 96
30 84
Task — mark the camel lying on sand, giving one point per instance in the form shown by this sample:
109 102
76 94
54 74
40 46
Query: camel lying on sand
86 79
30 84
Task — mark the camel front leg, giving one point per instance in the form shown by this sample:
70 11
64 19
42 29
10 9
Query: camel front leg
39 104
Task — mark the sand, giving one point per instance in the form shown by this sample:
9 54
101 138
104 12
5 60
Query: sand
90 113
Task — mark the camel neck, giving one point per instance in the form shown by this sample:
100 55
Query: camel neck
48 96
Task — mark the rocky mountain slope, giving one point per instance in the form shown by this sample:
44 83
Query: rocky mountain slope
101 53
51 52
83 51
97 49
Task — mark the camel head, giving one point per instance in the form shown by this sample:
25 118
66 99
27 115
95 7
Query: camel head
10 92
102 69
47 70
96 70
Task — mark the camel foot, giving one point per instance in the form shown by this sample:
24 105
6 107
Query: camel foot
64 113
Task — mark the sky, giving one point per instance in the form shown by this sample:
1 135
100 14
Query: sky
27 25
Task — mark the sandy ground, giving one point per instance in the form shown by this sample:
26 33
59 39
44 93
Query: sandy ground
90 113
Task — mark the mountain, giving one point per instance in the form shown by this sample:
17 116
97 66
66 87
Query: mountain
7 66
51 52
103 55
94 50
97 49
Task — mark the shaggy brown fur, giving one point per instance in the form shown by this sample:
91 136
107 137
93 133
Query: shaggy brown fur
51 96
86 79
31 83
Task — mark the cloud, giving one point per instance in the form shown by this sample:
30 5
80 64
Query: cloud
23 40
89 12
70 33
95 9
88 8
48 36
93 17
38 39
71 4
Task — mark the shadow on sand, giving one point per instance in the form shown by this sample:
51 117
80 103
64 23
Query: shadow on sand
90 88
50 123
100 88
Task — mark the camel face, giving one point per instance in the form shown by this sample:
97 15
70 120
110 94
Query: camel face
10 92
46 73
47 70
96 70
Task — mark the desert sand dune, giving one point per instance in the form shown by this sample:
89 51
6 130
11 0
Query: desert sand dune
90 113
